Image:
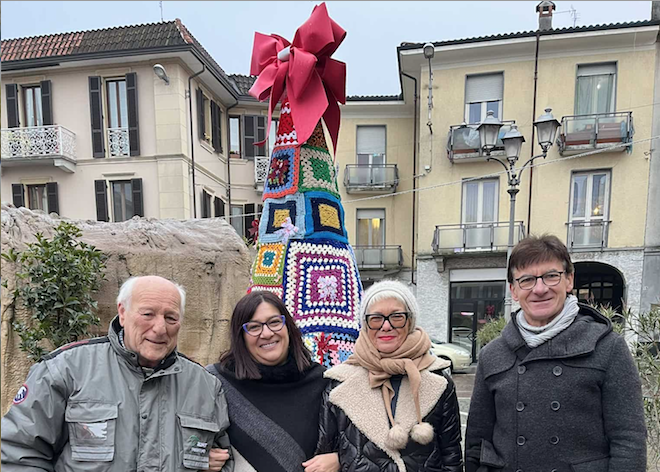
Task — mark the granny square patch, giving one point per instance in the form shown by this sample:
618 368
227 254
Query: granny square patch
277 290
321 287
286 132
329 349
283 171
317 139
324 217
272 225
317 171
269 264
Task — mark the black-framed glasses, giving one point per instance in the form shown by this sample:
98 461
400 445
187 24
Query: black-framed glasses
550 279
254 328
397 320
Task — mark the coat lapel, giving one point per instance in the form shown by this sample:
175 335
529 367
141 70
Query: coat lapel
363 405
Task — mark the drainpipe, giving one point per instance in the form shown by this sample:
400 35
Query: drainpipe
414 195
192 142
531 168
229 160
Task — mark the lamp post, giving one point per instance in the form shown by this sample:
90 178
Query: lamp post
546 129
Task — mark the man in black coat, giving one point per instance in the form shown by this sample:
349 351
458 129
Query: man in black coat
559 390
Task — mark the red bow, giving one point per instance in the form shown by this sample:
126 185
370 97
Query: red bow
314 82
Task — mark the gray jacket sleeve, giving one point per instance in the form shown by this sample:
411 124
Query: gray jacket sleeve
222 438
33 430
481 422
623 411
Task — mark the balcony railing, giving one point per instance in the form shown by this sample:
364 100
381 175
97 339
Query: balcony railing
378 257
260 171
596 131
475 237
371 178
463 143
38 142
118 142
587 234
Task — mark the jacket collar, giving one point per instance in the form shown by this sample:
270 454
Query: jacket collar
131 357
578 339
364 406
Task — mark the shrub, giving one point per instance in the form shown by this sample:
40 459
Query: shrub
492 329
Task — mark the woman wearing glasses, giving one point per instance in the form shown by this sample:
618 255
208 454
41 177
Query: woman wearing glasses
558 390
273 390
390 407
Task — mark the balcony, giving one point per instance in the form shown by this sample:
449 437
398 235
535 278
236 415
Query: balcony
463 143
118 142
378 257
475 237
50 145
580 133
587 234
260 172
380 178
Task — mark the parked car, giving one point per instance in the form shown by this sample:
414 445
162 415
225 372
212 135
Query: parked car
459 357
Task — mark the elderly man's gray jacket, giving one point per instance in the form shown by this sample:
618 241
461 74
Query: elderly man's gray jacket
572 404
88 407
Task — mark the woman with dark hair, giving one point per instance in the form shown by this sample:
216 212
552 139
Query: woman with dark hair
273 390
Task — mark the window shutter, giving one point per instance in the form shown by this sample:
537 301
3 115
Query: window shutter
260 210
100 189
46 105
249 133
96 110
206 198
219 207
132 102
484 88
371 140
200 114
18 195
52 197
12 105
219 147
261 135
248 219
215 124
138 205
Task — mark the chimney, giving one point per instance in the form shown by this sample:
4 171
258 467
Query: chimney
655 10
545 9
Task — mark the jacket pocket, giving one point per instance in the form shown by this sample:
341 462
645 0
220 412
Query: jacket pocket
91 430
597 465
197 435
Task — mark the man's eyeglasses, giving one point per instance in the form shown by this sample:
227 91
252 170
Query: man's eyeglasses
254 328
397 320
550 279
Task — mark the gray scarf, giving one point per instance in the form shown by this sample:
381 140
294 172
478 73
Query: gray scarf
537 335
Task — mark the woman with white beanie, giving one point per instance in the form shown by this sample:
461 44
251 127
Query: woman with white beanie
390 407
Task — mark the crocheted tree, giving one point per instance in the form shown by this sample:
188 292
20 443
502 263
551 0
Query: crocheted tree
303 254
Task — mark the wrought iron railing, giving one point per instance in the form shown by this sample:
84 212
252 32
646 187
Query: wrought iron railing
38 141
118 142
371 177
588 234
468 237
261 169
378 257
595 131
463 142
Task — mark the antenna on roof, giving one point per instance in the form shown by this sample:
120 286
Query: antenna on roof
575 15
161 11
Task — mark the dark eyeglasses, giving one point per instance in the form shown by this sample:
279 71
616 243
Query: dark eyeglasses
254 328
397 320
550 279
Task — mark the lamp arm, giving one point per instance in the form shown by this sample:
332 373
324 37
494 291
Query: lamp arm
530 160
506 168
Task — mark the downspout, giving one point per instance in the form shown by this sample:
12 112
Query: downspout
192 142
229 160
531 168
414 195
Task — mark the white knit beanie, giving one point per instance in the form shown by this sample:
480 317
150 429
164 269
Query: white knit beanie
393 288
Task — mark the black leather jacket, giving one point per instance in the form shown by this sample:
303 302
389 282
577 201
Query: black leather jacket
357 453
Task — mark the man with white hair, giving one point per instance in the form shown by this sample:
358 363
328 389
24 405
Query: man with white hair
128 401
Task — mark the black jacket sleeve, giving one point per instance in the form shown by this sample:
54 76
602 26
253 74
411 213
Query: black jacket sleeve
328 434
447 426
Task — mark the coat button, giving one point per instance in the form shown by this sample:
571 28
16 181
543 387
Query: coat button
520 440
520 406
554 470
555 405
521 369
554 440
519 470
144 417
557 370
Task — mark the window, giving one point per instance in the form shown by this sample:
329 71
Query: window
117 104
37 198
589 208
209 121
483 93
122 200
237 219
125 199
254 131
219 205
371 227
114 115
206 204
480 201
33 108
371 145
595 89
235 136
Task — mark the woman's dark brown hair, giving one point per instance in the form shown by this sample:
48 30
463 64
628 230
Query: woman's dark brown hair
238 357
537 249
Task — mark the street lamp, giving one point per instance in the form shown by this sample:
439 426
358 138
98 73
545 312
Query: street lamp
546 128
429 53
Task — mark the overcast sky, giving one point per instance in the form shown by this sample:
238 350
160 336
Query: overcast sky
374 29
